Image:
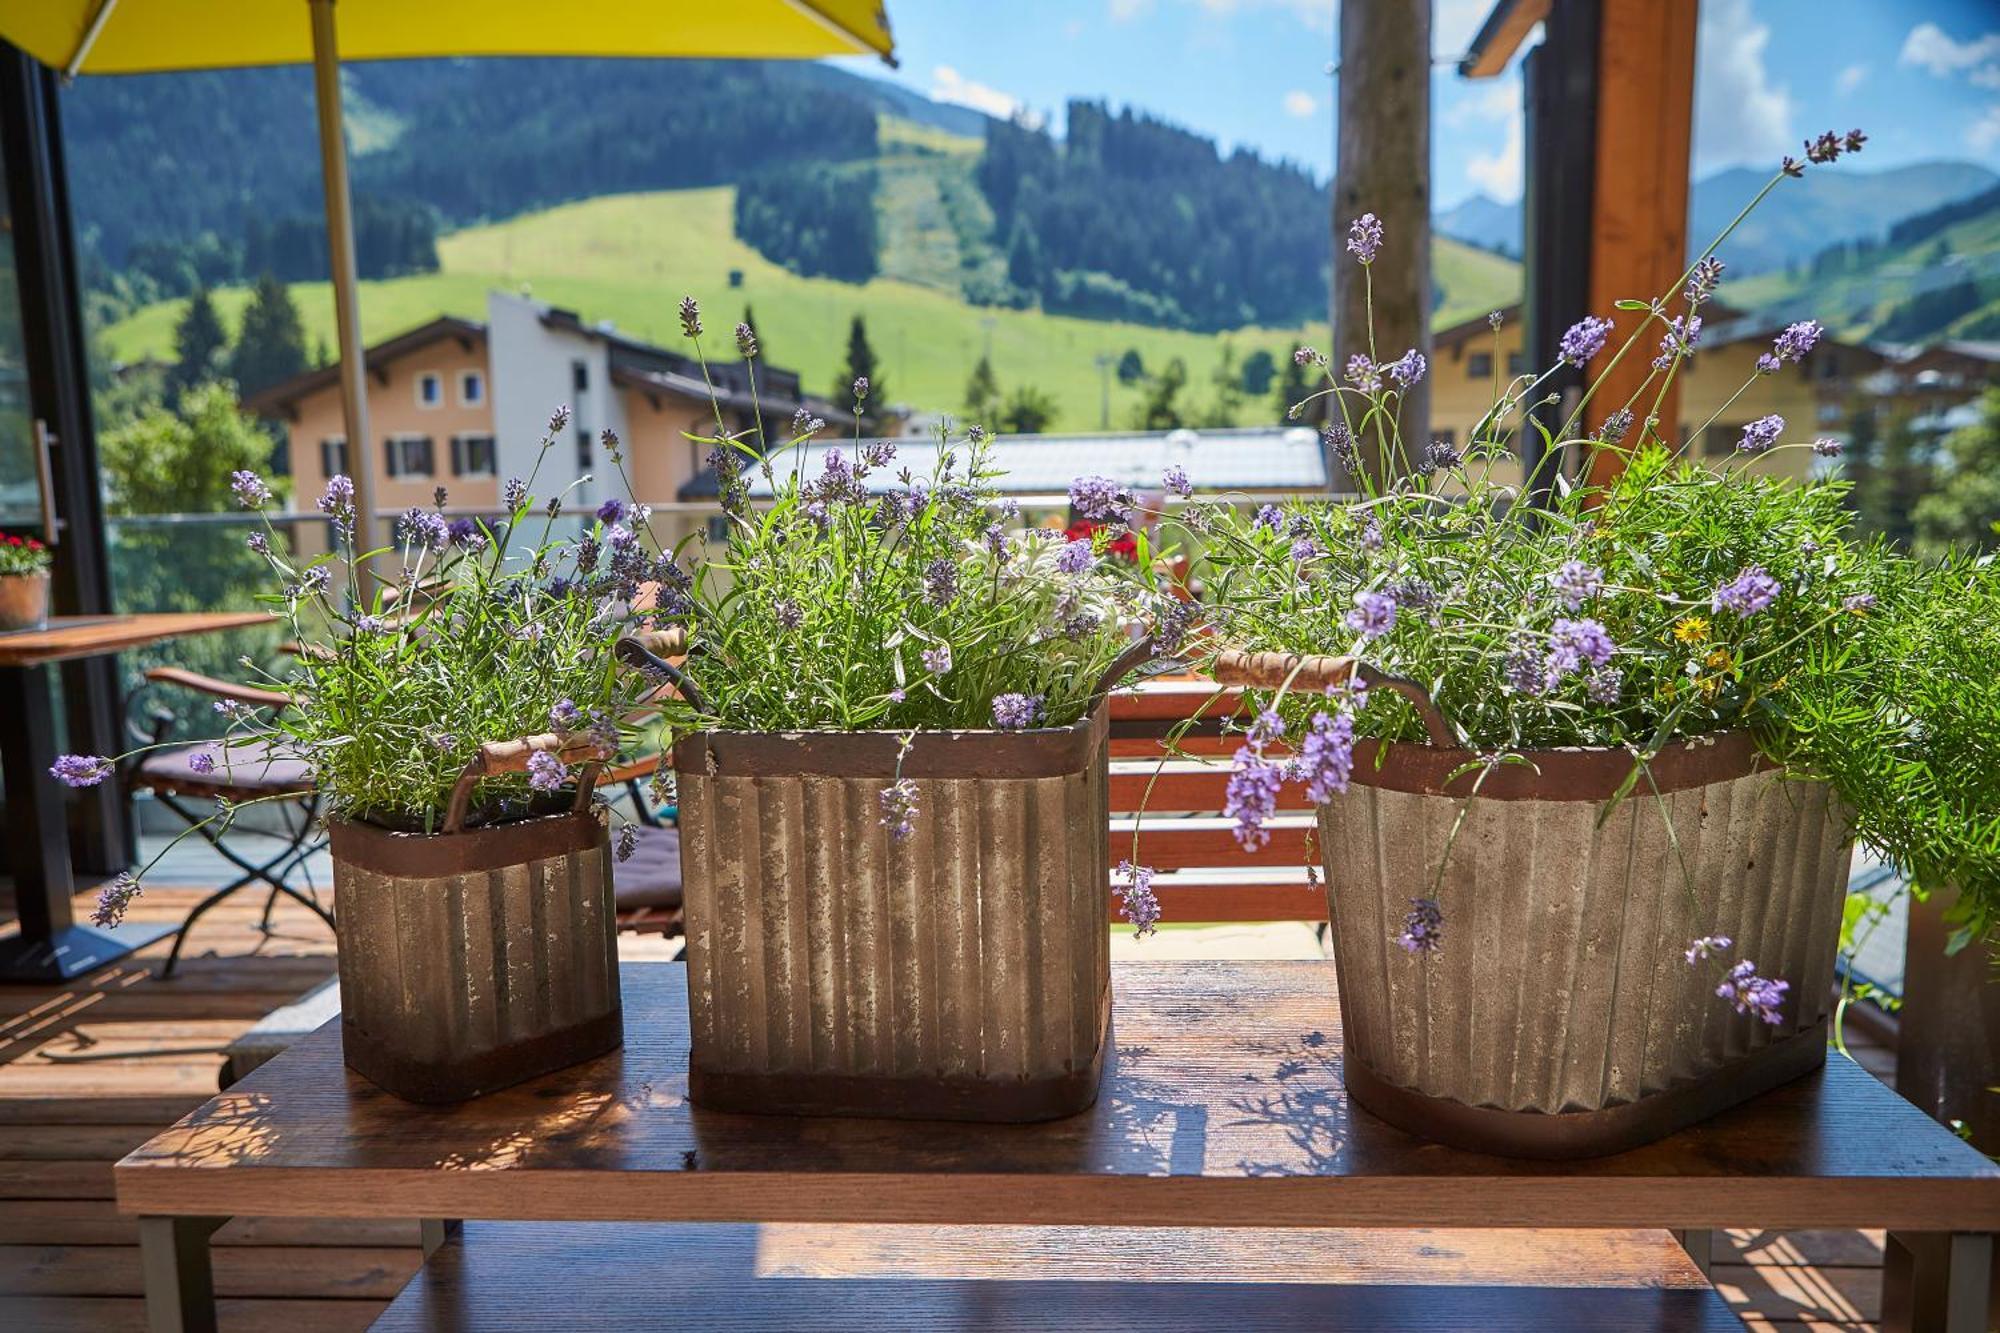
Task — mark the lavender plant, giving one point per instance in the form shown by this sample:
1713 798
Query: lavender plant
1676 601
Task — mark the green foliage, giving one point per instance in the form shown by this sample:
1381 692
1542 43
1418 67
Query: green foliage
1227 382
271 346
199 344
815 220
1024 258
1965 507
982 392
1895 475
861 365
1131 366
23 555
1296 401
1157 409
179 462
1259 370
1028 411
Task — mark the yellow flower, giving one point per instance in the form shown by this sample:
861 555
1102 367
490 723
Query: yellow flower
1691 630
1709 686
1717 659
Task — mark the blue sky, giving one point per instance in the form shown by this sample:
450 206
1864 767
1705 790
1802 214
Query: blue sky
1921 76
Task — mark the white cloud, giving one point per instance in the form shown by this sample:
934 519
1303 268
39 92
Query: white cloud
1123 11
1740 116
1986 76
1300 103
1454 23
1486 102
1930 47
1851 78
1499 174
948 85
1984 134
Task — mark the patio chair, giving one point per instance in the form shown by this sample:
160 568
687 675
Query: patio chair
242 771
647 885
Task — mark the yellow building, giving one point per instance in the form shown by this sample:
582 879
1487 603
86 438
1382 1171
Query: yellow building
1471 364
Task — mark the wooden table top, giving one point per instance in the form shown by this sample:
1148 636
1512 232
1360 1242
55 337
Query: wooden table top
70 637
1222 1106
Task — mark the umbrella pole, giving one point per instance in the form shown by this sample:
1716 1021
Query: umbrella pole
340 259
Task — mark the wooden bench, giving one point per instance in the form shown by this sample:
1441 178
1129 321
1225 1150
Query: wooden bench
499 1275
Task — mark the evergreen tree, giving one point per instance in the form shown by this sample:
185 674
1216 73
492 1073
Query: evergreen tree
1965 508
982 393
1901 478
1294 387
1024 258
1028 411
1860 464
199 344
271 346
861 365
1157 409
1259 369
1227 381
1131 367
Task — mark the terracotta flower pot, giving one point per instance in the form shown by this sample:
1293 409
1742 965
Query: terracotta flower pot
24 601
1558 1015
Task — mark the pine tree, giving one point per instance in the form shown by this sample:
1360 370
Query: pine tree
1965 508
1158 410
1293 389
199 344
1259 369
982 393
271 346
861 365
1227 381
1028 411
1024 258
1131 367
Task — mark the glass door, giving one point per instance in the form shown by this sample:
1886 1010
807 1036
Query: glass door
23 460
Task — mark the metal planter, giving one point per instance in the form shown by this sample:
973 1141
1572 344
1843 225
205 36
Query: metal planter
961 974
475 960
24 601
1559 1017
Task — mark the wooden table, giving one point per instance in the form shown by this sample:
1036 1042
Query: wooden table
50 946
1222 1107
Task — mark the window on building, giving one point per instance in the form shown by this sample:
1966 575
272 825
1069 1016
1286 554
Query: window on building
718 529
584 461
471 388
472 456
430 389
1444 435
1721 438
579 376
409 455
1517 363
1479 366
333 456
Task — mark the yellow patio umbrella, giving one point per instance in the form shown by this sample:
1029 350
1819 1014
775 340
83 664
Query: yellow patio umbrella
154 36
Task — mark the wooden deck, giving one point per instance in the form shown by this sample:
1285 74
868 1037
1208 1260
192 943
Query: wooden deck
90 1069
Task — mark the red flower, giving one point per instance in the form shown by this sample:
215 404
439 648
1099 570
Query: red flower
1125 546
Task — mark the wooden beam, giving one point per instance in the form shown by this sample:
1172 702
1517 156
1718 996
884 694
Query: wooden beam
1645 112
1500 36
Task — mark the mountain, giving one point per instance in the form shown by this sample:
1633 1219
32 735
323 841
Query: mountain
1790 227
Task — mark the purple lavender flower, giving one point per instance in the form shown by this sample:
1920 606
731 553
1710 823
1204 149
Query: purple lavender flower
1858 602
202 761
1605 686
1364 237
860 388
370 625
1363 373
1616 426
1136 902
1252 795
628 842
1702 281
1796 340
1768 364
1525 671
338 501
1172 618
1572 643
746 341
559 419
1326 755
1099 499
1075 556
940 581
1852 143
1176 480
258 543
611 511
1374 614
1826 446
1406 369
1584 340
878 453
424 529
1269 517
1792 167
249 489
1423 928
899 808
1577 583
1752 994
1304 551
1761 434
514 495
1308 356
1683 332
1749 592
1824 149
1340 443
1439 456
546 771
1016 712
1707 946
565 716
465 532
690 317
113 899
80 770
998 543
1371 535
937 660
805 425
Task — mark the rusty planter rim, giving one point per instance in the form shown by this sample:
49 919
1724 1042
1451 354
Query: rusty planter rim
1580 773
1041 752
491 847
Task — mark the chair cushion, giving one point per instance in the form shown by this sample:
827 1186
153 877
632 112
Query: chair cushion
243 769
651 876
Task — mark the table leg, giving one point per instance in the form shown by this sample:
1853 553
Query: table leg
435 1231
48 946
1700 1246
1969 1283
1937 1281
180 1290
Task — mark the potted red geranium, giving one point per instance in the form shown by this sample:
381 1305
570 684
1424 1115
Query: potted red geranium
24 584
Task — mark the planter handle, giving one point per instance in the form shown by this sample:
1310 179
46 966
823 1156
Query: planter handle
1270 671
512 757
1140 653
649 652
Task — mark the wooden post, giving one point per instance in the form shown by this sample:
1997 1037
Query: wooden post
1645 111
1384 168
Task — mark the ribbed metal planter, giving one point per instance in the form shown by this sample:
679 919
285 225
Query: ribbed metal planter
472 961
963 973
1559 1017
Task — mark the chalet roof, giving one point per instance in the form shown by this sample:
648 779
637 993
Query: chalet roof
276 399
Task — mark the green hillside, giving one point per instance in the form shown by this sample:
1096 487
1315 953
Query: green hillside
629 259
1946 285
